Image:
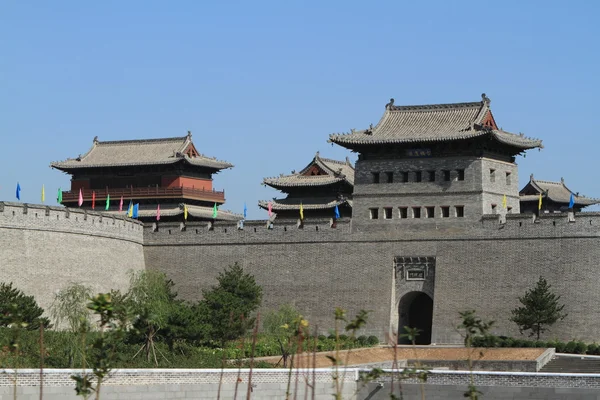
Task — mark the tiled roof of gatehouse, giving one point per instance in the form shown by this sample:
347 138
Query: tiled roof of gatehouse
433 123
557 192
336 171
140 152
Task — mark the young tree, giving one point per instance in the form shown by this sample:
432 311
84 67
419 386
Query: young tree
228 306
13 301
70 306
540 309
150 298
280 324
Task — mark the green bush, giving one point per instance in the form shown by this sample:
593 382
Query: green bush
343 337
570 347
539 343
507 342
373 340
322 337
560 346
580 347
362 340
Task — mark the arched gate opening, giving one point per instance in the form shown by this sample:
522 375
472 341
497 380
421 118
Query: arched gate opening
416 311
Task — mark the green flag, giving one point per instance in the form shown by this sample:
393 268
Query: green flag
59 196
215 211
107 202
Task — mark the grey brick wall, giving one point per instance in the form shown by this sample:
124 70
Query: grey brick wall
482 265
42 249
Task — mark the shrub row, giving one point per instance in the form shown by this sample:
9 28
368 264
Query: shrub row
572 347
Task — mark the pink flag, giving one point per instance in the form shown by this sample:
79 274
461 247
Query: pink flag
121 204
80 198
93 200
270 211
158 212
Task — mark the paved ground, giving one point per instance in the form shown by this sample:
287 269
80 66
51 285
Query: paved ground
382 354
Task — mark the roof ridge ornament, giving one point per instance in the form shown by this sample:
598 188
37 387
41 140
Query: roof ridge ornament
389 105
486 100
189 135
95 139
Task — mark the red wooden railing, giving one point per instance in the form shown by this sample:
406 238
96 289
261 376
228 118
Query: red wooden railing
146 193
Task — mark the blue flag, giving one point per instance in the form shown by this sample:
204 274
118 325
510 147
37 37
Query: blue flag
135 210
337 212
18 191
572 201
245 210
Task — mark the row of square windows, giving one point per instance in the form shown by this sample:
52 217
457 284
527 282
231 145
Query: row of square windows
418 212
388 176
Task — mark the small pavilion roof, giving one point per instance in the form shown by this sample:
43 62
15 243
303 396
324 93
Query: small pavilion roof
172 210
307 204
557 192
141 152
434 123
329 172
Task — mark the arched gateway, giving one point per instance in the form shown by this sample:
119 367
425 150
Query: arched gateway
416 311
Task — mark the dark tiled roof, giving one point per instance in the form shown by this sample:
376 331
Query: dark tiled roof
337 171
553 191
139 152
432 123
171 210
307 204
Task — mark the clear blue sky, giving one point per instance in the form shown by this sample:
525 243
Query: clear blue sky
263 84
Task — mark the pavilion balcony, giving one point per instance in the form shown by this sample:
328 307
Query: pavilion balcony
141 193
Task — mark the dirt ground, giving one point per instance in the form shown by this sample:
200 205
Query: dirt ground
383 354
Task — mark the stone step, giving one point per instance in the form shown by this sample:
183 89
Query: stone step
573 365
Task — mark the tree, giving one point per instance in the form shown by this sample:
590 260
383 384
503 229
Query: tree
540 309
281 324
70 306
150 298
228 306
15 306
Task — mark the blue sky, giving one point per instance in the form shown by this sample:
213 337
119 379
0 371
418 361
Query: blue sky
263 84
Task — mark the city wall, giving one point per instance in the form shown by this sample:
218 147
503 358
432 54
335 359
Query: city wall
485 266
44 248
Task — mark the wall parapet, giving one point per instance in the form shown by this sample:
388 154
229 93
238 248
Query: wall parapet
39 217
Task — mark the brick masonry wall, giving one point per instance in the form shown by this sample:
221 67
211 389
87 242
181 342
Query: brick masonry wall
272 385
483 265
180 384
42 249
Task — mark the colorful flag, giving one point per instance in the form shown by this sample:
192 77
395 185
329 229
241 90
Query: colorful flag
80 202
571 201
18 191
215 211
301 211
93 199
270 209
43 194
107 202
185 212
130 209
540 202
158 212
121 204
504 202
135 211
336 212
59 196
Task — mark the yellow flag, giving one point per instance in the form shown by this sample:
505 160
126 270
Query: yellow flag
43 194
504 202
130 209
185 212
301 211
540 202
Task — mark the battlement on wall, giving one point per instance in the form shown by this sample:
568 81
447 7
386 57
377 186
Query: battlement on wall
254 231
39 217
551 224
